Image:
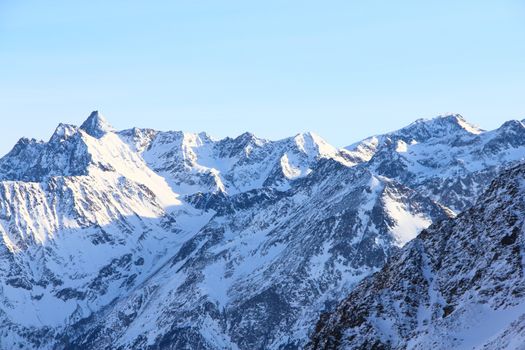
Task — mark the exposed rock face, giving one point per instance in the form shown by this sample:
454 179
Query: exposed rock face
145 239
460 284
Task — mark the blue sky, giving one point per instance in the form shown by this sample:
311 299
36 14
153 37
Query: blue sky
344 69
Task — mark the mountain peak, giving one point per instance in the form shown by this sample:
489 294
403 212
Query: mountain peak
313 144
96 125
512 125
440 126
62 132
457 121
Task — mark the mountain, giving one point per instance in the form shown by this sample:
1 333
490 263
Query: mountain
140 239
460 284
445 158
83 220
254 276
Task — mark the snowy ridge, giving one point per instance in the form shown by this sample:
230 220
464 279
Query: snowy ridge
445 158
197 163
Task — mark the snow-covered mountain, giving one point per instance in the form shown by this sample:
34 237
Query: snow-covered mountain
148 239
459 285
445 158
198 163
83 220
255 275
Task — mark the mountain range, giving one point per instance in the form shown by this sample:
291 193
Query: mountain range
145 239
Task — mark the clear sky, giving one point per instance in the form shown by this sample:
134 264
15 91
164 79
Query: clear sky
344 69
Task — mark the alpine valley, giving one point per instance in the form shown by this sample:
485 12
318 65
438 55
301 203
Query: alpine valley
145 239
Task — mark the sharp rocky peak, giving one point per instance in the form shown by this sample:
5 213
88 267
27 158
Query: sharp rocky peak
247 138
308 135
310 142
242 141
62 132
440 126
512 125
96 125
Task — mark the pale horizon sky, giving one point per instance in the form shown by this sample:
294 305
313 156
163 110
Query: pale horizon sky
342 69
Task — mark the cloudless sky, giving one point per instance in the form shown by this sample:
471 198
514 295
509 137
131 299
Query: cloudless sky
345 69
